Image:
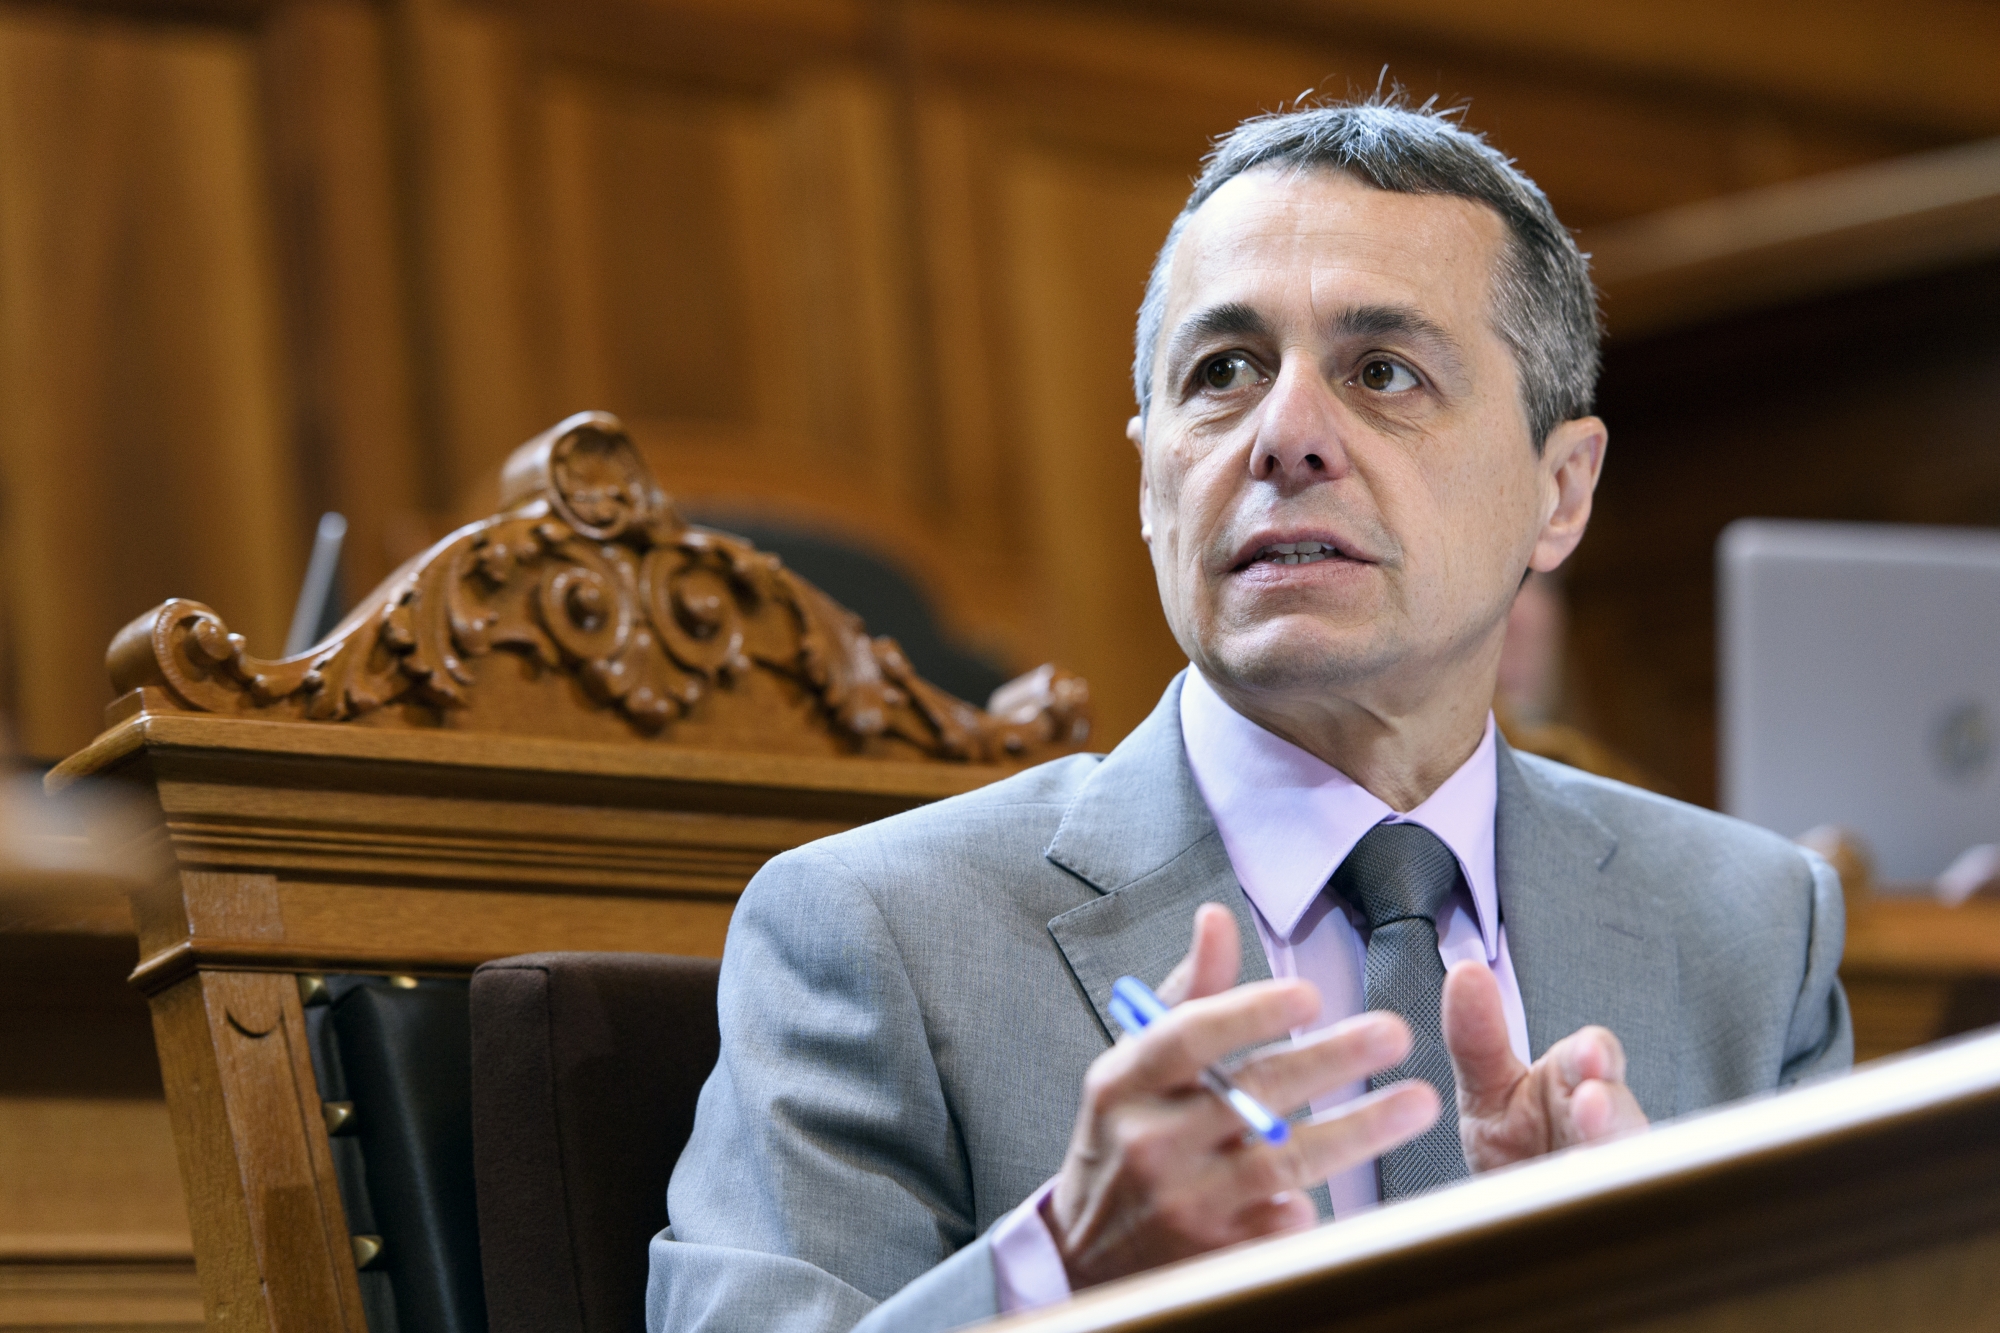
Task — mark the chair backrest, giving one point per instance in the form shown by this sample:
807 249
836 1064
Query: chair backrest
585 1072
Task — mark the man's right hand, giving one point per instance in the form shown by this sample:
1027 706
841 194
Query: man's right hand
1160 1169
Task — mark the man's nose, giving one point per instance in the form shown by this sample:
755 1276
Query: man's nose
1299 431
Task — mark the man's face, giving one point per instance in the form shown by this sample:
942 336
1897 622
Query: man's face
1339 488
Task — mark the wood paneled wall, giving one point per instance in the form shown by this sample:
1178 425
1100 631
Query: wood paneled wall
145 445
874 258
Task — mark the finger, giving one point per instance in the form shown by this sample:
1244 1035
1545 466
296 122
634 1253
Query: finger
1358 1132
1590 1053
1288 1077
1293 1211
1475 1035
1197 1033
1600 1110
1213 959
1590 1100
1366 1128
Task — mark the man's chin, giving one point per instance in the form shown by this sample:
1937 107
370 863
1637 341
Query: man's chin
1296 659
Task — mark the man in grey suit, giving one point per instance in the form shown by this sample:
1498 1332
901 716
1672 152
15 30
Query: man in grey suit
1365 365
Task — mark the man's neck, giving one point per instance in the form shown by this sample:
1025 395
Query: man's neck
1400 756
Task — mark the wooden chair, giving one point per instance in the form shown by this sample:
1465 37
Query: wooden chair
580 724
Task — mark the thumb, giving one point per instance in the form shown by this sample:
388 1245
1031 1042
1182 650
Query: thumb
1475 1033
1212 961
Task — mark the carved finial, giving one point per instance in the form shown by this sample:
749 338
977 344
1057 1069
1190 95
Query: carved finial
592 478
589 576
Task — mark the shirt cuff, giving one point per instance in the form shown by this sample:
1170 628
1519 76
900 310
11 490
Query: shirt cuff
1027 1268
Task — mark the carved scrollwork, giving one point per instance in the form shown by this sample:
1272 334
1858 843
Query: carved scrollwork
589 571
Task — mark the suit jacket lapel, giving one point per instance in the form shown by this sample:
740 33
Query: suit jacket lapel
1140 834
1584 937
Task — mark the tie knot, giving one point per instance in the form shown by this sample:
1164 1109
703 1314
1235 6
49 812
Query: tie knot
1396 872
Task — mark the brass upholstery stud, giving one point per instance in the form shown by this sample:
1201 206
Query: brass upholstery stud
403 981
339 1116
312 989
367 1249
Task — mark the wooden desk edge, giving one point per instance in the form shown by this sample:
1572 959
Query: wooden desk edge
96 1248
1908 935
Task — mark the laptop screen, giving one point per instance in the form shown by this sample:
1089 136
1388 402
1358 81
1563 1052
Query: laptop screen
1860 685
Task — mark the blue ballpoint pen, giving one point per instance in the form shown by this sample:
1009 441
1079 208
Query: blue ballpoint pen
1136 1008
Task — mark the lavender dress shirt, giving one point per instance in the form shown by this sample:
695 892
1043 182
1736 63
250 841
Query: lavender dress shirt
1288 820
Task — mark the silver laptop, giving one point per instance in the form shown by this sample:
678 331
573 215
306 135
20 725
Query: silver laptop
1860 685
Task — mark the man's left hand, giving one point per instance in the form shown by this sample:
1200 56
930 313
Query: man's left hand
1508 1111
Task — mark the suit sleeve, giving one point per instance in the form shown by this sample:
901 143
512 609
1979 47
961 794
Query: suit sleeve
1820 1039
825 1184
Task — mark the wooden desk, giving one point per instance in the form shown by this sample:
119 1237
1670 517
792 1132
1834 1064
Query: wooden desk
93 1227
1917 971
1870 1201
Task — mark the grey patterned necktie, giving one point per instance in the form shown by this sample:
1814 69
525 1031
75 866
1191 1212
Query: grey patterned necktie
1401 876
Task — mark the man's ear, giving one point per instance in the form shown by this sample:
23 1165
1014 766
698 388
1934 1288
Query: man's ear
1572 459
1135 431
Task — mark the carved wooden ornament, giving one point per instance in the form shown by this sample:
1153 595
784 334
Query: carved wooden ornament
588 607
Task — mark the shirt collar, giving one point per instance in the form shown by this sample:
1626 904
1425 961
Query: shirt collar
1288 819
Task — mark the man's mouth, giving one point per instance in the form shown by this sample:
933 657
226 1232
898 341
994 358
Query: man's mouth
1276 546
1296 553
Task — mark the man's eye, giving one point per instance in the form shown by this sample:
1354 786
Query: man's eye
1386 376
1232 370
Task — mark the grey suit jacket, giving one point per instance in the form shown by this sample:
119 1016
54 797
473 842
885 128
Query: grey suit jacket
908 1008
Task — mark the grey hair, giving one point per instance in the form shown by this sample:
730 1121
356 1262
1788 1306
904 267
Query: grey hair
1545 308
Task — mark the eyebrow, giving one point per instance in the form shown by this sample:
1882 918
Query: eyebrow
1393 321
1231 319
